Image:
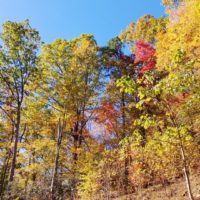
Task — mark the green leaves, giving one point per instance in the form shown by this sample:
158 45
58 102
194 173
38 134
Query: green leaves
144 121
18 57
126 84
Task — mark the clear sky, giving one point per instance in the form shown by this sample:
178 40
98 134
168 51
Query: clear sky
70 18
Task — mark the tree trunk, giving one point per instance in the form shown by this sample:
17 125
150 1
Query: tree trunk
186 174
14 151
6 166
126 162
3 174
185 167
56 161
75 142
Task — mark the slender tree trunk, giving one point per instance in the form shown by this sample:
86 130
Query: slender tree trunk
186 173
3 174
56 162
75 155
126 162
6 166
185 167
16 136
76 140
33 160
123 115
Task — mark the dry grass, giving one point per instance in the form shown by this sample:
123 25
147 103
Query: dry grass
174 191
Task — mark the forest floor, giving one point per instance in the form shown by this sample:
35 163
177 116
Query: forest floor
174 191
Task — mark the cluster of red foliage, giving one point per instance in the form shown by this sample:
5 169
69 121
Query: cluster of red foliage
147 67
107 115
144 54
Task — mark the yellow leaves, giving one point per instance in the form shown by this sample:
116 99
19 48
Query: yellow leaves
82 46
128 35
67 64
88 170
32 168
76 150
42 144
55 53
182 32
167 2
145 29
144 121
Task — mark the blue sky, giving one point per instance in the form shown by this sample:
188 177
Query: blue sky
70 18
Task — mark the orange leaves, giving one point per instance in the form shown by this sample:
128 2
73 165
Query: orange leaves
107 115
178 99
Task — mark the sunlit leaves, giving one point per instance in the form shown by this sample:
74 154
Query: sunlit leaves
146 28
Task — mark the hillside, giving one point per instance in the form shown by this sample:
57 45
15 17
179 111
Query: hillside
174 191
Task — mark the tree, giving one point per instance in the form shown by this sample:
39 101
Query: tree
71 81
117 64
164 118
18 58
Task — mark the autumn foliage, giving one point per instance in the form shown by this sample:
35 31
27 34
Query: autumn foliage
107 115
83 122
146 55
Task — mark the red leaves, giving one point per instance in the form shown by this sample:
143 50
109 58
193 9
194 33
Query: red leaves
144 54
143 51
147 67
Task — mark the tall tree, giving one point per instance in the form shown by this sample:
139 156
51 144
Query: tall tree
71 86
18 57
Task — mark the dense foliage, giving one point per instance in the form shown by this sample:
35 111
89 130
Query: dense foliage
79 121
